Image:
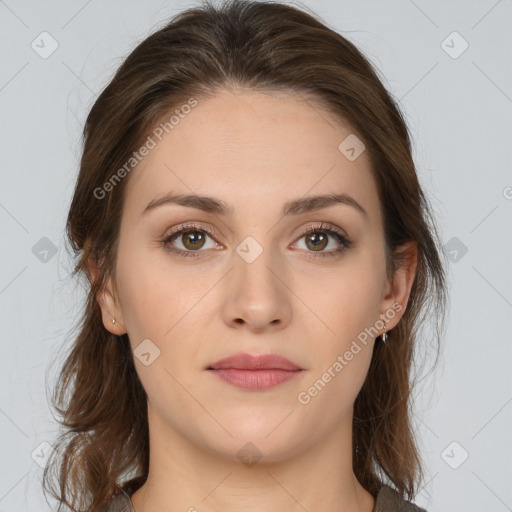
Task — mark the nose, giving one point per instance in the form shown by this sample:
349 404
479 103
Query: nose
257 297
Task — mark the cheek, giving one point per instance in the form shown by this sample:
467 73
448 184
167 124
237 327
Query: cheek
142 299
346 303
342 357
154 295
347 308
158 304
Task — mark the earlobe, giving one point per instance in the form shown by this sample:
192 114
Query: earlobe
399 290
111 312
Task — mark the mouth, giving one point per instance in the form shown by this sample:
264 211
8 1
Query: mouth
257 372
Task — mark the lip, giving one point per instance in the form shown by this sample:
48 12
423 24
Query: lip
243 361
258 372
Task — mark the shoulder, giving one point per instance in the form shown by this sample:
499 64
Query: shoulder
121 501
388 500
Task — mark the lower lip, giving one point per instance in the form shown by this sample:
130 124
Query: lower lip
255 379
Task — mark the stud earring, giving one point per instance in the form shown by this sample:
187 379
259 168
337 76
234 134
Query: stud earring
113 321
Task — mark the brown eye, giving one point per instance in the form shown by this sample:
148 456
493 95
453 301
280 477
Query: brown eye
188 241
317 241
192 240
318 238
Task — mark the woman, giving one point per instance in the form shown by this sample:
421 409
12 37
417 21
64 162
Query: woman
259 256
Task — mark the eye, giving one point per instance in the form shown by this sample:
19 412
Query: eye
317 239
192 239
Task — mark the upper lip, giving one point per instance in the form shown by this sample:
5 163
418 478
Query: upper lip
244 361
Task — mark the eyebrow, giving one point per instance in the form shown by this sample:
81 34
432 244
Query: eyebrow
219 207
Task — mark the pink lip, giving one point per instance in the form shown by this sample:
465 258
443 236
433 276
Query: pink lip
255 372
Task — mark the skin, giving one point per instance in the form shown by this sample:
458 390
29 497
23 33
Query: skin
255 151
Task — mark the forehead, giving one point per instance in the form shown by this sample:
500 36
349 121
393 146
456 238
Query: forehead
238 145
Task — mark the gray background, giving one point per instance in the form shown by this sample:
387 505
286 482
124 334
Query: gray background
458 106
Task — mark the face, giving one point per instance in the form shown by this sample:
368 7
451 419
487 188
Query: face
254 271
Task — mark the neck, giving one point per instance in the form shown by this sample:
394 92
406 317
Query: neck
186 476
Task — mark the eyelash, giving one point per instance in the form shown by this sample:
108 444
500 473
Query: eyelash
325 228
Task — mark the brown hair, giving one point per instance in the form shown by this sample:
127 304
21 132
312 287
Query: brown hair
259 46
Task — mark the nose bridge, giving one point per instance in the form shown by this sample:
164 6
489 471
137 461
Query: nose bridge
256 265
259 296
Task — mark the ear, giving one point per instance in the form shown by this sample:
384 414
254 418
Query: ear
109 304
397 291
